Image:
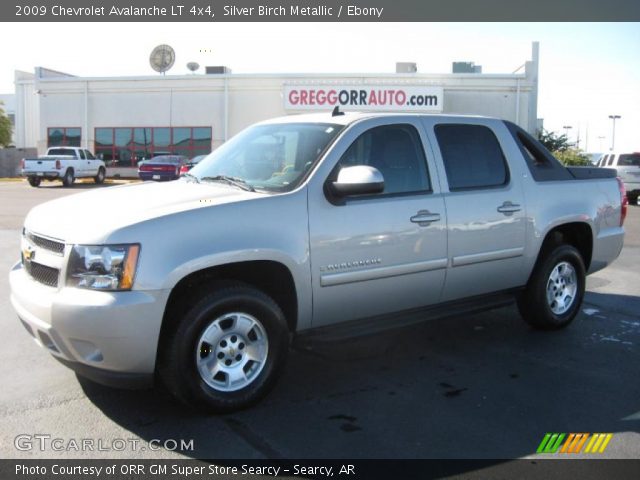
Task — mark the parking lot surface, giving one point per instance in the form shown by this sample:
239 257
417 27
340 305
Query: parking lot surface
480 386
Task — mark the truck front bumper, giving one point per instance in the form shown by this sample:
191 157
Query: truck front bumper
108 337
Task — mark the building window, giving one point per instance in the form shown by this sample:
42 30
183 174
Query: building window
125 147
63 137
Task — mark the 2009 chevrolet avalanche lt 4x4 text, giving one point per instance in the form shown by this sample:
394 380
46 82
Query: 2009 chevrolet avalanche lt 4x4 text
305 225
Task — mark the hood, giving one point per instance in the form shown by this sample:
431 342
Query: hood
91 216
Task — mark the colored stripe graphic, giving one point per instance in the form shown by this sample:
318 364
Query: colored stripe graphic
550 443
598 442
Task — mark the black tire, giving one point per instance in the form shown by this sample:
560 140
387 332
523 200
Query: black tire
183 349
100 177
68 178
34 181
633 198
536 306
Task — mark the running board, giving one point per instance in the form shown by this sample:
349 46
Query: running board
342 332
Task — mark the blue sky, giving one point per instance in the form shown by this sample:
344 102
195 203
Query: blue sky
587 70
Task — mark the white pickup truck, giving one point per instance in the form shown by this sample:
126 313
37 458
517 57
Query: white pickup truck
63 163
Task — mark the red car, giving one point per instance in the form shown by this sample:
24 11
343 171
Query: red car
163 167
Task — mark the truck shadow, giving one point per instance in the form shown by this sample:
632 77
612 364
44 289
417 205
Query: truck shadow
481 386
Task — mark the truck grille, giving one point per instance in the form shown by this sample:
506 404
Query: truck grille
47 244
42 274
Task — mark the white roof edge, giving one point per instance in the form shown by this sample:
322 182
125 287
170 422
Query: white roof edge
403 76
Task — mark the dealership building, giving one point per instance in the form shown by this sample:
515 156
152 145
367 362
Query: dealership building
126 119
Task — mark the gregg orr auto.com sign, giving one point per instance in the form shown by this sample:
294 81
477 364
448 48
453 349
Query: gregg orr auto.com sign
363 97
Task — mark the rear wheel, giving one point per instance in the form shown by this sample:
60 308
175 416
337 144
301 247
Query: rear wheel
34 181
99 178
555 290
633 198
227 350
68 178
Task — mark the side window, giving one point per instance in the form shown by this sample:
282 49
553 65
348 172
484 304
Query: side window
81 153
396 151
89 155
610 162
472 156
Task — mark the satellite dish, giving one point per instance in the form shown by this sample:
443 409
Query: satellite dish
162 58
193 66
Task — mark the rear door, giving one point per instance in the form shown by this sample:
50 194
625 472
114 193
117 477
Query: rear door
381 253
485 207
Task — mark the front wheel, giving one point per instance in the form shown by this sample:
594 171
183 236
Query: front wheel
68 178
99 178
555 290
227 350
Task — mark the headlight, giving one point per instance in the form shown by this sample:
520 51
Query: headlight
103 267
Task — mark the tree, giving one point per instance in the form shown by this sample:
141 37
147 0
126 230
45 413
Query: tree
573 157
554 142
5 128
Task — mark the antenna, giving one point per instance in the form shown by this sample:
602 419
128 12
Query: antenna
193 66
162 58
336 111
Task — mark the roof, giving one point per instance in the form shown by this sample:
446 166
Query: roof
349 117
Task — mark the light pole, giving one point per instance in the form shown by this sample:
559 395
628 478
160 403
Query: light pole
566 131
613 134
601 138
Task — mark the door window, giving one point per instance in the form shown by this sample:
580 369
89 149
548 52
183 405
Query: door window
472 157
396 151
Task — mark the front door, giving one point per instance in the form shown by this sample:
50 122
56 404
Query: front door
381 253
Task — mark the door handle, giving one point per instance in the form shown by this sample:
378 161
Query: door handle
509 208
424 218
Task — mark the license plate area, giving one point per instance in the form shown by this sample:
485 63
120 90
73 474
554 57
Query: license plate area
156 177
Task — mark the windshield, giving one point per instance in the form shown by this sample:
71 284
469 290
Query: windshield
272 157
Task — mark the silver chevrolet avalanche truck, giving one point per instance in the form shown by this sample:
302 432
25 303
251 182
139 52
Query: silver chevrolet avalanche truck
303 227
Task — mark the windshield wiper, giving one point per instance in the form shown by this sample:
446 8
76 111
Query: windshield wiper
235 181
191 177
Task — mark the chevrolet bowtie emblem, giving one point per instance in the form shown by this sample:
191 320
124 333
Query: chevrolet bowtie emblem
28 254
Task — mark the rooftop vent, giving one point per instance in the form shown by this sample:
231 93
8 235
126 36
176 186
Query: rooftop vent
466 67
217 70
406 67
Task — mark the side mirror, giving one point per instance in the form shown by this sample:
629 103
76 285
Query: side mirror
358 180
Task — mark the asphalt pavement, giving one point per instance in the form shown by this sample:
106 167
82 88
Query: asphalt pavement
478 386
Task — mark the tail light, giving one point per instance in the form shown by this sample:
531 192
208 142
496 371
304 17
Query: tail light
58 165
184 169
624 201
22 164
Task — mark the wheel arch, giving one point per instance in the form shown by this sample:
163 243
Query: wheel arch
577 234
272 277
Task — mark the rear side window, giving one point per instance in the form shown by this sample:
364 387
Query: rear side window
610 162
472 157
61 151
629 160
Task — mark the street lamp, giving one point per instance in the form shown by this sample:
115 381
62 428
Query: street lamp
566 131
613 135
601 138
